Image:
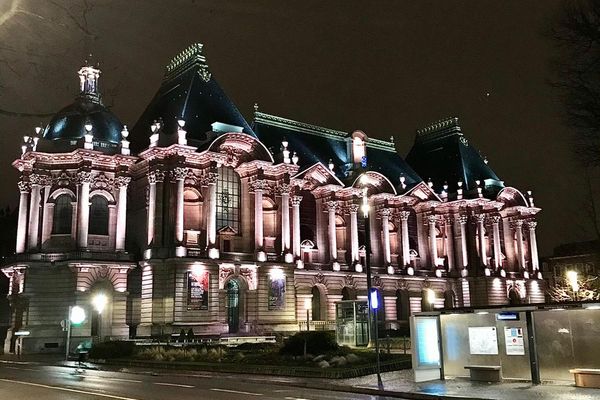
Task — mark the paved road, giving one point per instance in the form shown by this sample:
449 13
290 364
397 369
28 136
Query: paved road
32 381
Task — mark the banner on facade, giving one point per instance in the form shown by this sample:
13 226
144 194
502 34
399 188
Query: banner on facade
277 293
198 290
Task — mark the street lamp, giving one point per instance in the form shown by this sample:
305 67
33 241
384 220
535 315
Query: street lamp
76 317
572 279
99 302
372 299
307 307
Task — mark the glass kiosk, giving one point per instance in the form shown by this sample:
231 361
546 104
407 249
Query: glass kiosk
351 321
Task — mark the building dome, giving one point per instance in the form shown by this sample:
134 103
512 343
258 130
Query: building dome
69 123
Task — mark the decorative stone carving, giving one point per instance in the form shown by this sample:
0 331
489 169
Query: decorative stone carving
296 200
284 188
259 185
401 284
462 219
101 181
384 212
349 281
121 181
353 208
331 205
64 179
84 177
319 278
531 225
36 179
376 281
156 176
403 215
516 224
24 186
178 173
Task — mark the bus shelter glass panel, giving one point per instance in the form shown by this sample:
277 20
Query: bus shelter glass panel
351 317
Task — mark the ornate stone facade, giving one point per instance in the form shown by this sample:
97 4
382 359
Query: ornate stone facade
240 234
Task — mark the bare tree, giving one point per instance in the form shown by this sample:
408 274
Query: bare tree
587 289
576 32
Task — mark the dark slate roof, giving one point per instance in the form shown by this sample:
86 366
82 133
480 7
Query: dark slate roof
442 153
315 144
69 122
188 92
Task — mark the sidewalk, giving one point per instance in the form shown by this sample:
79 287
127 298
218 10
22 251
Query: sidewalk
402 381
398 384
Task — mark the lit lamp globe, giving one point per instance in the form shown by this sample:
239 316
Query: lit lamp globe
77 315
99 302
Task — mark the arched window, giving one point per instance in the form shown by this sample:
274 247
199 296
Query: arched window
63 215
98 216
316 304
228 199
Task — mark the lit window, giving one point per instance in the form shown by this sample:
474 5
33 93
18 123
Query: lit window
63 215
99 216
228 199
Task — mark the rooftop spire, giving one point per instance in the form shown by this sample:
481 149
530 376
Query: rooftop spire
88 81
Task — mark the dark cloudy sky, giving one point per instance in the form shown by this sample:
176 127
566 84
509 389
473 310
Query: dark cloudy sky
386 67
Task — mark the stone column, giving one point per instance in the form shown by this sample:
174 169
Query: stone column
331 207
480 220
48 209
385 227
259 186
35 181
284 189
517 225
121 183
462 220
24 188
405 240
152 176
296 221
211 220
353 210
533 246
83 208
431 220
497 244
449 241
178 174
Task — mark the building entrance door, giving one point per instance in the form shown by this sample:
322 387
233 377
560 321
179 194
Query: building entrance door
233 305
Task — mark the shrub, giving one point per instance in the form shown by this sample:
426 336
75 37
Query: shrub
112 349
317 342
257 347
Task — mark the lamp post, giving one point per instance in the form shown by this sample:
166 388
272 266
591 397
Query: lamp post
99 302
372 298
307 307
76 317
572 279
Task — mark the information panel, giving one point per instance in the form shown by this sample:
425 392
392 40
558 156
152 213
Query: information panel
513 338
198 290
427 346
483 340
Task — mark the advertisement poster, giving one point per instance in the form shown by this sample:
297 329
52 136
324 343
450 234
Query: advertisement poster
513 338
277 293
483 340
198 284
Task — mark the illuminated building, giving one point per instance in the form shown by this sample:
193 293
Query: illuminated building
198 219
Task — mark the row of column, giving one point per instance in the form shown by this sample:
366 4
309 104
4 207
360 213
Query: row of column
432 221
28 227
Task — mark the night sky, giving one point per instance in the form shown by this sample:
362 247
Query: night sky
385 69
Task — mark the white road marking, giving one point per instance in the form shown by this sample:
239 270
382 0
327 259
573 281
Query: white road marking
125 380
22 369
173 384
64 389
236 391
295 398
